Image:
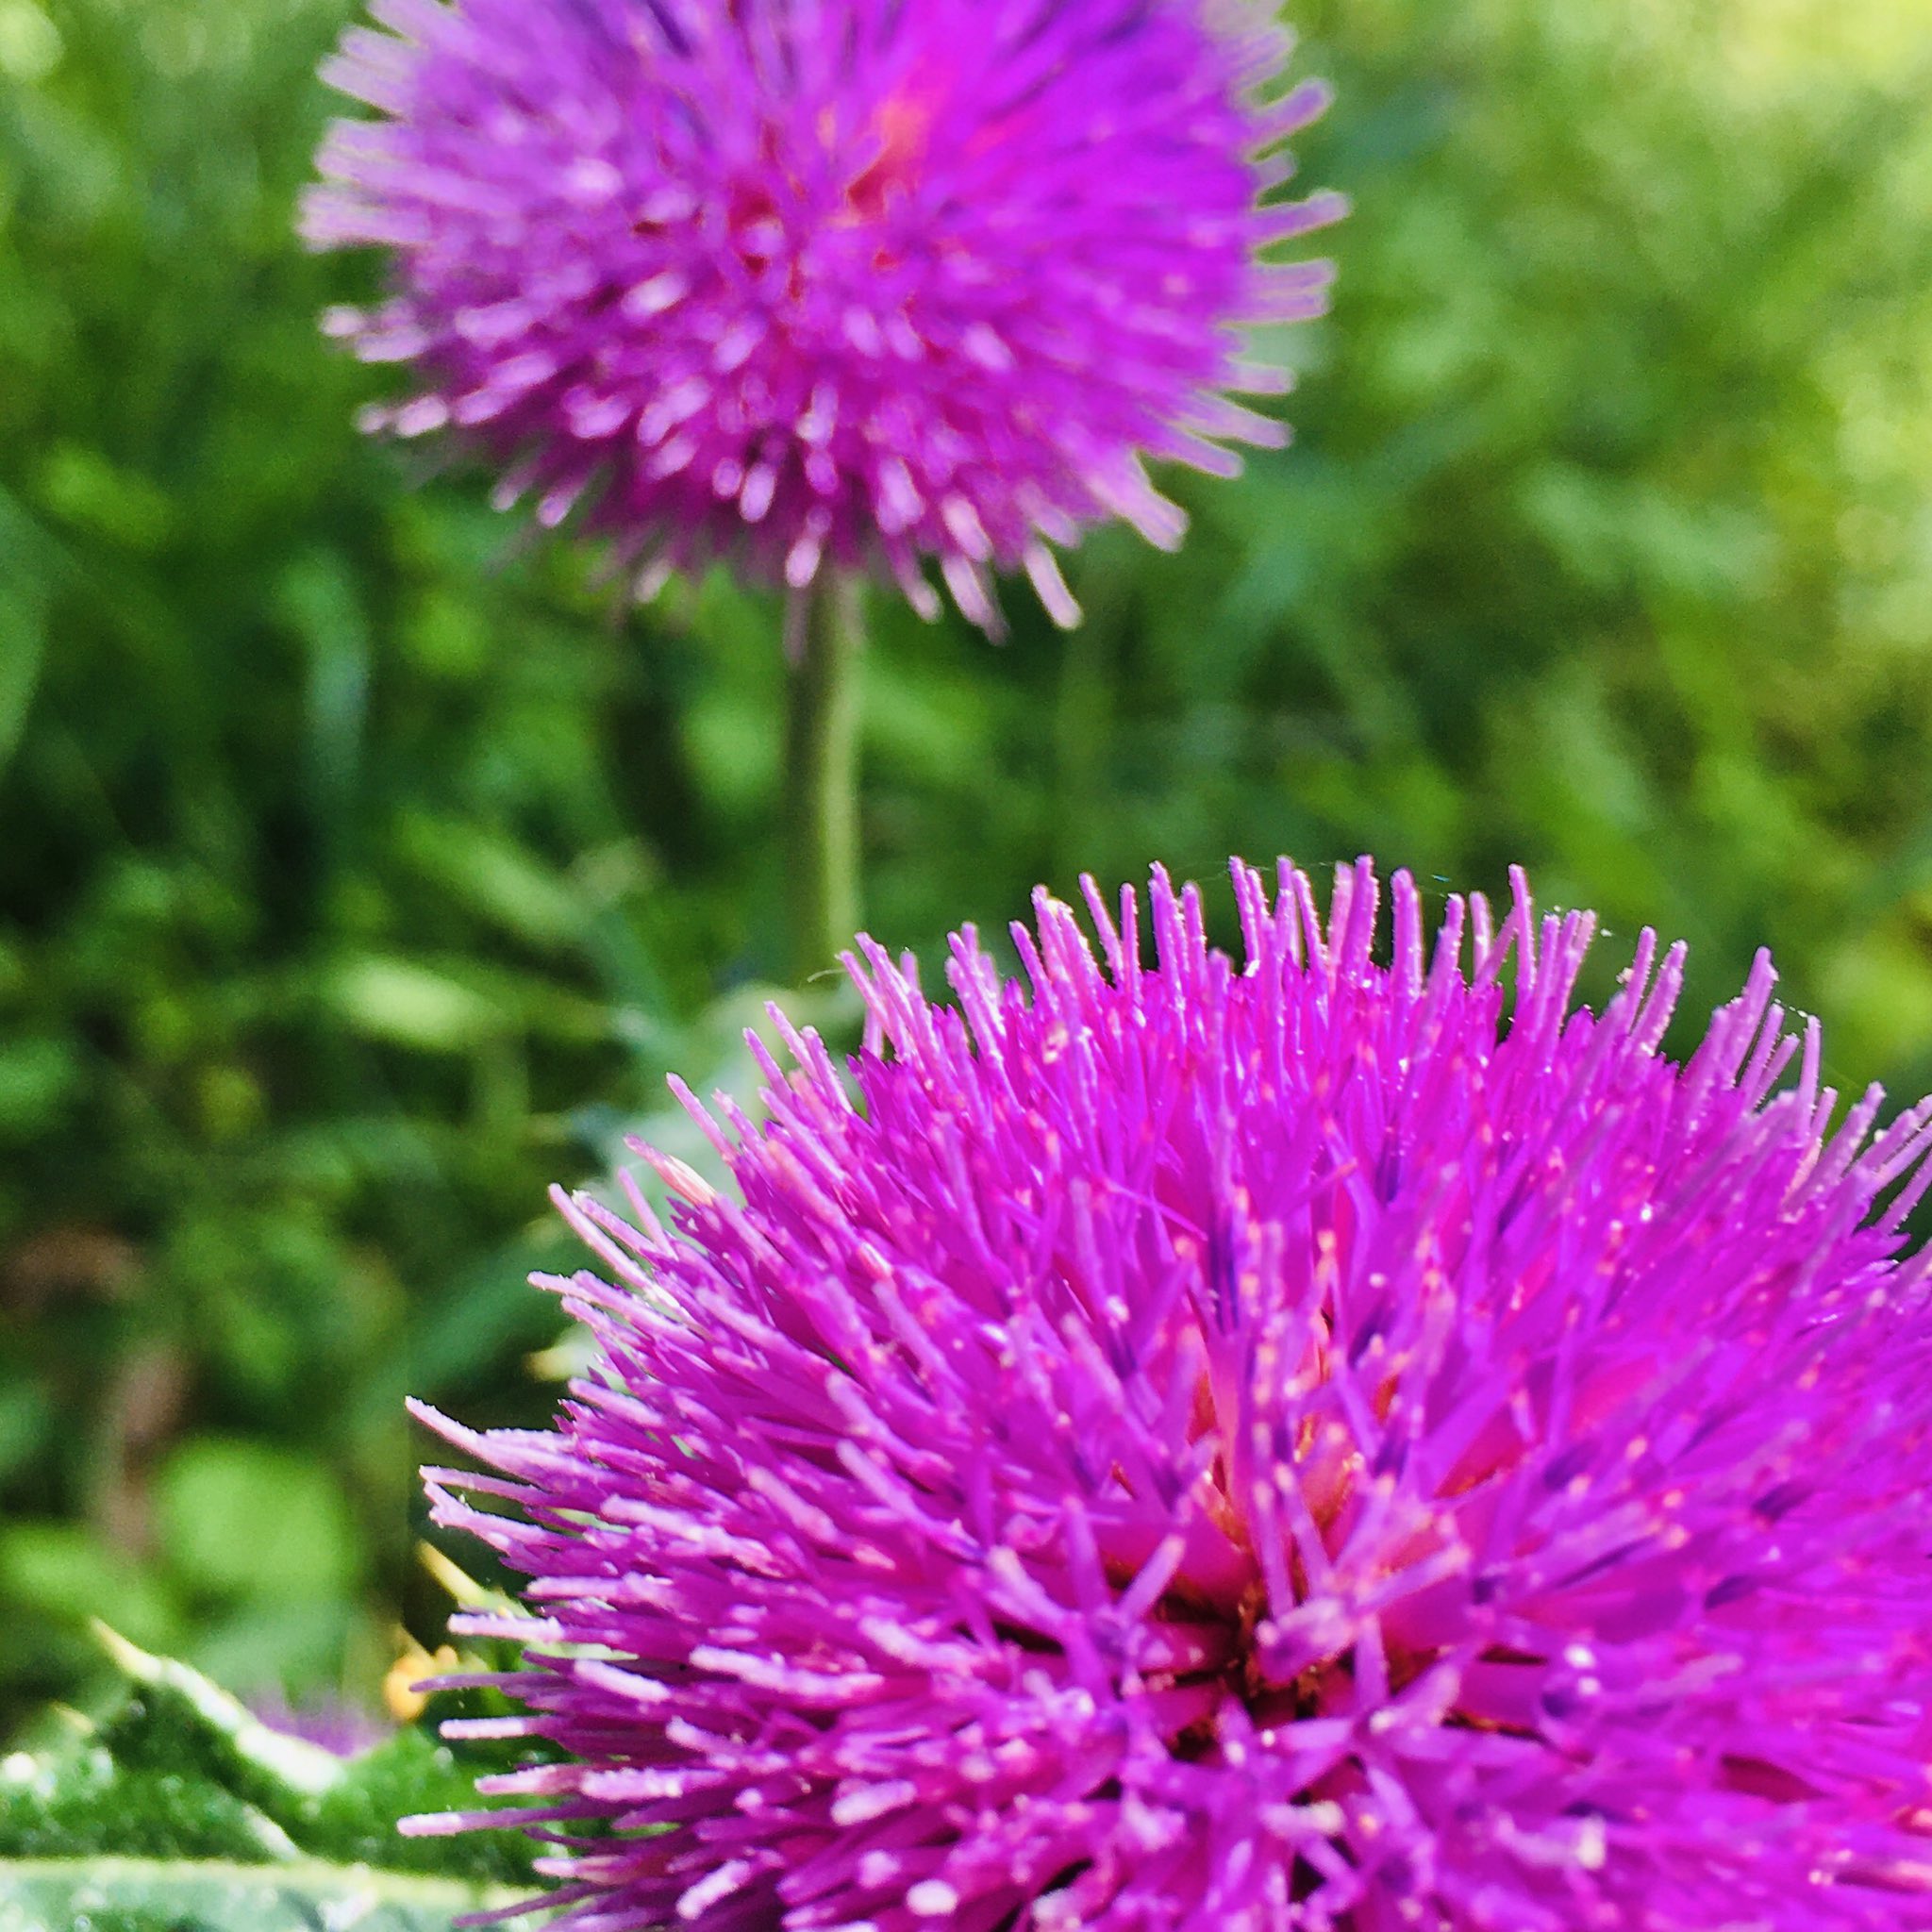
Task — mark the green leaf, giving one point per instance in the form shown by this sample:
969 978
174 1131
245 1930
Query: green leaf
124 1894
494 877
29 41
242 1519
23 651
98 496
411 1005
64 1570
182 1812
37 1077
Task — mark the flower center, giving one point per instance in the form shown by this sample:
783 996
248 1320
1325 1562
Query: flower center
896 143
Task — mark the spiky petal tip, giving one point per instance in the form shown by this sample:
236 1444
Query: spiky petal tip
1214 1447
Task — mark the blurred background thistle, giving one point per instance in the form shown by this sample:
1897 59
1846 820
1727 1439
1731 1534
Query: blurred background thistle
825 295
357 877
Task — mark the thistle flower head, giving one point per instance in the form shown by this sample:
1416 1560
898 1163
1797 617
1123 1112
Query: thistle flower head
865 282
1204 1446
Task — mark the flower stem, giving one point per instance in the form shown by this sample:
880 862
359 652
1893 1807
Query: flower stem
824 640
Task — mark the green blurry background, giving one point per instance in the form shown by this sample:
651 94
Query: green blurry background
360 874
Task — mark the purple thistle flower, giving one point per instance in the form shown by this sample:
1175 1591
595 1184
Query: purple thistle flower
1216 1448
792 281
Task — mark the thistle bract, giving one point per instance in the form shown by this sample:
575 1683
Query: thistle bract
1203 1446
865 282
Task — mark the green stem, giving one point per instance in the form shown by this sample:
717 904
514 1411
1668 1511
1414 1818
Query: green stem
826 638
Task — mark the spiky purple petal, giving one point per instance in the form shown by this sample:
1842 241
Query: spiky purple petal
1215 1447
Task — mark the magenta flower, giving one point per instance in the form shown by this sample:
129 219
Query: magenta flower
790 281
1219 1447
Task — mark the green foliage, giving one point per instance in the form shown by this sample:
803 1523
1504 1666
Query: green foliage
362 874
180 1811
123 1895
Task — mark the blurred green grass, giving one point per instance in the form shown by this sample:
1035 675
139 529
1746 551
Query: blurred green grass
360 873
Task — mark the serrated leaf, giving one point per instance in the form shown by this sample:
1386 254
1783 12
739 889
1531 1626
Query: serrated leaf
182 1812
125 1894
